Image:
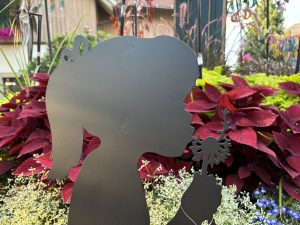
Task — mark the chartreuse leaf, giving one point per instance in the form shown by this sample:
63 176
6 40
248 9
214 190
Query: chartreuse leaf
282 99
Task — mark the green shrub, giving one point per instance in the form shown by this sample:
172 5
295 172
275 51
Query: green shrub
27 201
163 196
45 60
282 99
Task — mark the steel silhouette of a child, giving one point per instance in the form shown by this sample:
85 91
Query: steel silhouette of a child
129 92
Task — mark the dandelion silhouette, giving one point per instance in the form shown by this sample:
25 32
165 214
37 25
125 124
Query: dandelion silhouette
213 150
204 190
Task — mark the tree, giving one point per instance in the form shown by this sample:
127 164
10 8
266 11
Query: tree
256 36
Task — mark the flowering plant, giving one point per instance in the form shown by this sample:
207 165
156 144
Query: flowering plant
264 139
276 214
6 34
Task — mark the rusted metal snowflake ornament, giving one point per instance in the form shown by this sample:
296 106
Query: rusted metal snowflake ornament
213 151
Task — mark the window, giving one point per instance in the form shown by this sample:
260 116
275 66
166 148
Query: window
11 84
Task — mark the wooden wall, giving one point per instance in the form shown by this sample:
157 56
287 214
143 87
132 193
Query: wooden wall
63 21
95 18
163 23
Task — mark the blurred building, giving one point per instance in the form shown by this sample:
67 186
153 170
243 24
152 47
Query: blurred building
95 15
295 29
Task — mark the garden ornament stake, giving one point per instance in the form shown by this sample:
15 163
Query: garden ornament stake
130 93
203 197
24 22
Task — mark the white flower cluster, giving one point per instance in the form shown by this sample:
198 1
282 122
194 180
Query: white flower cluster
27 201
164 193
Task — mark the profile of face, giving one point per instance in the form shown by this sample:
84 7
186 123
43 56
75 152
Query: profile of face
129 92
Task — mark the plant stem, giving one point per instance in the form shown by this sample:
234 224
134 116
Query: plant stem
280 195
7 6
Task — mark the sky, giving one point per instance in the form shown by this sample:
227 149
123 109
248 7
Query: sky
291 17
292 13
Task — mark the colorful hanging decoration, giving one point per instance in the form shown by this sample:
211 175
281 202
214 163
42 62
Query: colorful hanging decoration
62 4
284 46
53 5
236 5
240 9
281 4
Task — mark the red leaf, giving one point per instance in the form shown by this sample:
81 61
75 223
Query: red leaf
8 140
15 149
171 164
150 169
35 109
281 140
234 179
212 92
225 103
30 113
42 78
203 132
265 90
227 87
66 192
74 172
239 81
5 166
93 144
45 160
38 134
291 116
263 174
229 161
256 119
294 162
288 143
29 167
290 87
293 173
33 146
291 189
6 131
195 94
199 106
262 147
196 119
244 172
246 136
214 126
240 92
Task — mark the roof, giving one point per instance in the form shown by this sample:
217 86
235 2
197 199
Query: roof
107 5
295 29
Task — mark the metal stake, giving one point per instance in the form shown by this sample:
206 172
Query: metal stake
48 30
39 40
122 17
268 27
298 58
135 20
199 31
